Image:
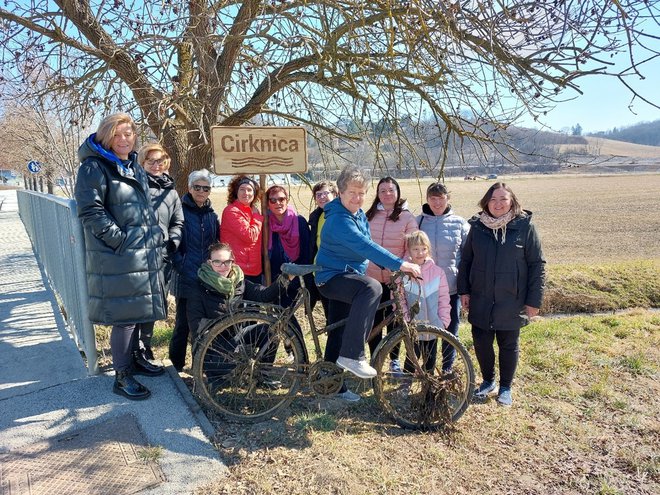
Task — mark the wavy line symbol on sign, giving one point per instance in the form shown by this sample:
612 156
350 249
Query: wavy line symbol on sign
261 162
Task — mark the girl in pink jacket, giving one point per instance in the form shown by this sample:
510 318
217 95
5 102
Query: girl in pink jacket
432 293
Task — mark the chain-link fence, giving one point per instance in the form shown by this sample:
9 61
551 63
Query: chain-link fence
57 238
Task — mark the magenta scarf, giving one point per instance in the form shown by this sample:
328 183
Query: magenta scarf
288 231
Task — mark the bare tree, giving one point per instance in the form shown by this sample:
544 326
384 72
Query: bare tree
472 66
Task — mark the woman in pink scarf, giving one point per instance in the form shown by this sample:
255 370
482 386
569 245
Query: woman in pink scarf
289 238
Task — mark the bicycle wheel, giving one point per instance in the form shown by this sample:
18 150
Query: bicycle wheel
246 367
424 397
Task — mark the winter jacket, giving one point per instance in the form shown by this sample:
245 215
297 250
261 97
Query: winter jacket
277 255
204 302
200 230
123 240
169 211
391 236
316 220
501 279
434 306
447 233
241 229
346 244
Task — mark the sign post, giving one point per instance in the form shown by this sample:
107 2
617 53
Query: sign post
259 150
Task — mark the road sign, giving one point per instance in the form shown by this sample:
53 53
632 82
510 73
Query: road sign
34 166
259 150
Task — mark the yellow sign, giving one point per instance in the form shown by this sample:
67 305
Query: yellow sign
259 150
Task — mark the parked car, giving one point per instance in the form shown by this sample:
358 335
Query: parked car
491 176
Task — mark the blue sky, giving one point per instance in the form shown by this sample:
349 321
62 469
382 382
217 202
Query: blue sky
604 104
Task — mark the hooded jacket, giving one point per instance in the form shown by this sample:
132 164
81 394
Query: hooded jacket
200 230
346 244
241 229
501 279
390 235
123 240
447 233
165 200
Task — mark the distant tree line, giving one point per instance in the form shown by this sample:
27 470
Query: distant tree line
644 133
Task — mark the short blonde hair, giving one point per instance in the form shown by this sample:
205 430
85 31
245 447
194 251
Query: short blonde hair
418 238
106 131
144 151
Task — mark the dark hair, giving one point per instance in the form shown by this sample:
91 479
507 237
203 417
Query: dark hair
236 182
515 204
398 206
437 189
276 188
219 246
325 183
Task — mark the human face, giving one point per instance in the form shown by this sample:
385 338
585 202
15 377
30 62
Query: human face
438 204
499 203
221 261
353 197
419 253
245 194
155 163
277 204
200 192
387 195
123 141
323 196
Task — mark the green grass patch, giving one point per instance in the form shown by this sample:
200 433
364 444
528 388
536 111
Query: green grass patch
315 422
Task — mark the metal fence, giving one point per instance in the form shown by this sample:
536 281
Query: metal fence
57 237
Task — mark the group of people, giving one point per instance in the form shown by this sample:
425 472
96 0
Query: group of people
141 237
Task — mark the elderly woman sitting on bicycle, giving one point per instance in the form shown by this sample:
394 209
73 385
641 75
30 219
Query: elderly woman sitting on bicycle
344 252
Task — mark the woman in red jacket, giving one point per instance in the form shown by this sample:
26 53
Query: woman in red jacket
241 225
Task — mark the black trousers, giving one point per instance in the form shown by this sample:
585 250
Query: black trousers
121 345
179 342
509 350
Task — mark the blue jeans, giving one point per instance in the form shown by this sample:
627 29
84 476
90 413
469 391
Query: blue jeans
362 294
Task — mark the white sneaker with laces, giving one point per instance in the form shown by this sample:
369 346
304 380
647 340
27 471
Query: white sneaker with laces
359 367
349 396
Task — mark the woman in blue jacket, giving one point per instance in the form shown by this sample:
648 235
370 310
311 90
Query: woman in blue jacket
345 250
501 278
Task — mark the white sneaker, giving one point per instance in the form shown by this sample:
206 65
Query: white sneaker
349 396
359 368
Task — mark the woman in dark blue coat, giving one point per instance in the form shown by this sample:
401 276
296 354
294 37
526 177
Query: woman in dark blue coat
501 278
201 228
123 242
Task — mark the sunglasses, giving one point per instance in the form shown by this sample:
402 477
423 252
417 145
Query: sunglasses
201 188
220 263
274 201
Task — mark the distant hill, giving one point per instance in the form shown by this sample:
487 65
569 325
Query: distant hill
597 146
647 133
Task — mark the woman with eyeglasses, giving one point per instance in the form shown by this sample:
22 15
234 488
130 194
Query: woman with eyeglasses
288 237
219 281
123 242
201 228
241 225
167 204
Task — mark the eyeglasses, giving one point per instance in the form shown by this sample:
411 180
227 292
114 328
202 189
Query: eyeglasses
201 188
160 161
274 201
220 263
322 194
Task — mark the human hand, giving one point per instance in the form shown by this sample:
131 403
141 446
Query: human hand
465 301
411 268
531 312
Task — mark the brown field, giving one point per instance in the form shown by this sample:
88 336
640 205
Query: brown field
581 218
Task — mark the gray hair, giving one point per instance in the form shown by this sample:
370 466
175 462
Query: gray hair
352 175
199 175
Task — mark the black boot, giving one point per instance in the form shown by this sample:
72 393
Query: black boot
129 387
143 367
148 353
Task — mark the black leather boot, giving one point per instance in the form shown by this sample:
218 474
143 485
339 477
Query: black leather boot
129 387
143 367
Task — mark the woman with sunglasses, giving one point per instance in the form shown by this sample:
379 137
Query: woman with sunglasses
201 228
288 238
241 225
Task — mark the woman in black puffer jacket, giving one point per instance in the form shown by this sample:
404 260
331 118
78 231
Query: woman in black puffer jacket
201 228
123 241
501 278
165 201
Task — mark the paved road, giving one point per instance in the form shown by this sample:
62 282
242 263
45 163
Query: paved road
45 390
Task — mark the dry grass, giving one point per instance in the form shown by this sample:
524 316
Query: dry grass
585 413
